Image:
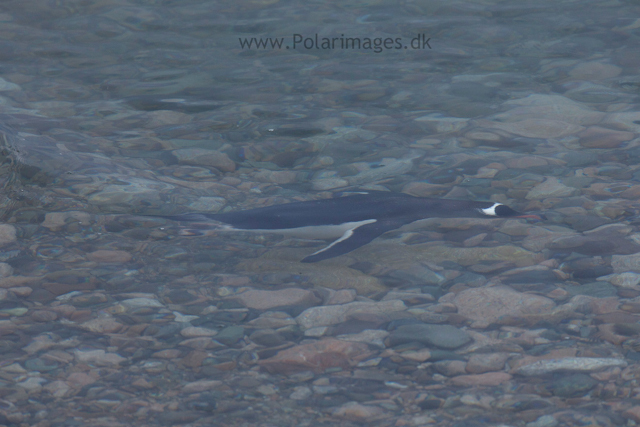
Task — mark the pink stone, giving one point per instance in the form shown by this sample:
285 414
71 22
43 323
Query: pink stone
481 363
342 296
357 412
633 413
265 300
102 325
57 388
489 379
317 356
604 305
451 368
487 305
80 379
598 137
167 354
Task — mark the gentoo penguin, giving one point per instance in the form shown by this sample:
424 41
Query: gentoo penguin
353 221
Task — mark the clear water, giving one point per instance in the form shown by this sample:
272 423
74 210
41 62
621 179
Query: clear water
114 110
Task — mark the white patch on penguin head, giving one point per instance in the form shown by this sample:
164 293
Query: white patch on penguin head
491 210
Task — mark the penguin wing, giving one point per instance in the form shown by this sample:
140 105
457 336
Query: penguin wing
353 238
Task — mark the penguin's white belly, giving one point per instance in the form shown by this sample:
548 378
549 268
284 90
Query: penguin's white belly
323 232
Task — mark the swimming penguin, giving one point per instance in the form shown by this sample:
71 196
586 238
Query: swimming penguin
353 221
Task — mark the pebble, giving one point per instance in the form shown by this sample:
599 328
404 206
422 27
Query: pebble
201 385
33 384
549 107
58 389
110 256
440 124
7 234
301 393
334 314
98 357
489 305
44 316
481 363
536 128
317 356
208 204
487 379
551 187
40 365
580 364
195 331
342 296
442 336
272 320
265 300
80 379
626 263
103 325
417 356
358 412
624 280
575 385
594 71
372 337
544 421
140 302
632 413
451 368
597 137
203 157
230 335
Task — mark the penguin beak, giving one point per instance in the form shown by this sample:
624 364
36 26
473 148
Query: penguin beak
533 217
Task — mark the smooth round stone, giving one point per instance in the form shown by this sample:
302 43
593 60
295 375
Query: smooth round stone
594 289
544 421
594 95
267 338
301 393
579 158
206 402
594 71
44 316
531 276
598 137
208 204
179 296
552 187
230 335
473 91
40 365
443 336
438 355
575 385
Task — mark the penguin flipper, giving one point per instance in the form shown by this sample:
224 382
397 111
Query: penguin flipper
353 238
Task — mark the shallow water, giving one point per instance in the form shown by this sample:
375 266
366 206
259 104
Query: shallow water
113 111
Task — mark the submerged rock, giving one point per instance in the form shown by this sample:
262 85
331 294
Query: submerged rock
317 356
488 305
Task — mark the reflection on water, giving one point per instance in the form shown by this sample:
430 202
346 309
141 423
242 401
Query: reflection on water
114 111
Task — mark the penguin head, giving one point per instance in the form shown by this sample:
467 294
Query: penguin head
498 210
